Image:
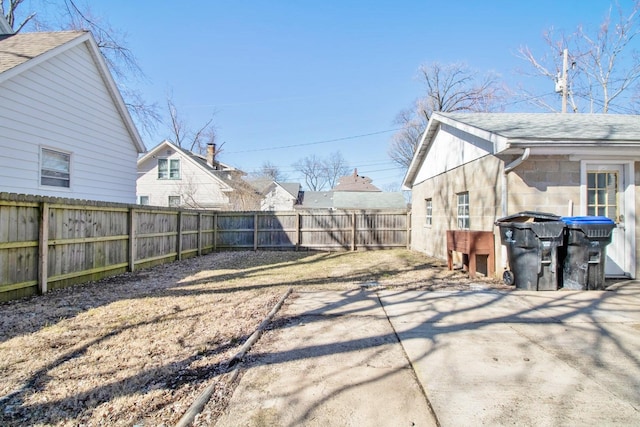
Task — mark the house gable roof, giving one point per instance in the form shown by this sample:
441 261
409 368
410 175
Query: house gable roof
511 133
220 175
355 182
292 188
551 127
20 52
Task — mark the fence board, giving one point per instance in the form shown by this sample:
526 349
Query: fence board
48 243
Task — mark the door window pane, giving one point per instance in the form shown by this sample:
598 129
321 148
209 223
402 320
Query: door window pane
602 188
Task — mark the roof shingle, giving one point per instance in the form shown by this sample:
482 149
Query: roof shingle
554 126
20 48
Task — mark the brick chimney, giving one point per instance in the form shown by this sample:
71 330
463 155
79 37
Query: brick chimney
211 153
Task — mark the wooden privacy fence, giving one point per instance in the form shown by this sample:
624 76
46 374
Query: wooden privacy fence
48 243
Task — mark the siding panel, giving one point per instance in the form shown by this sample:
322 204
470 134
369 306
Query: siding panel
63 104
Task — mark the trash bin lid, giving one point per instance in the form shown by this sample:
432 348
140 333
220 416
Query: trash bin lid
529 216
586 220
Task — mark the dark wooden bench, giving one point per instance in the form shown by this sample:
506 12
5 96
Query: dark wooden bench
471 243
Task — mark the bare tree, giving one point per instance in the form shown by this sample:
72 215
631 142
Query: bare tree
320 173
8 9
312 169
270 171
448 88
335 166
603 65
405 142
183 136
121 61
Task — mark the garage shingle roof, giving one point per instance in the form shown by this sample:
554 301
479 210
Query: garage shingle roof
553 127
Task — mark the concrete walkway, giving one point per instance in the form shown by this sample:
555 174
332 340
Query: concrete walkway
478 357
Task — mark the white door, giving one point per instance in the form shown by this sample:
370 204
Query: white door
606 197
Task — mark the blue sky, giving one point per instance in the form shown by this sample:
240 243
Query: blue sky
295 74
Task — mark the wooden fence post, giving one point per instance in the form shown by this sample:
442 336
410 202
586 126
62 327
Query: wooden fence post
215 232
353 231
179 243
408 230
133 239
255 231
199 233
298 231
43 248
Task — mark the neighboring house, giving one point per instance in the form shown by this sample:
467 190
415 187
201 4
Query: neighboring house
355 182
361 200
352 192
473 168
279 196
169 175
64 128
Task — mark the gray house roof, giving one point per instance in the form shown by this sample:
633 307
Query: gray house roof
316 200
292 188
352 200
368 200
552 127
542 133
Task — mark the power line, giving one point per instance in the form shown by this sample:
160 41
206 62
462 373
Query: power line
314 143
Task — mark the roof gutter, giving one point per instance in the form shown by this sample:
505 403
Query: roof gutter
505 206
511 166
508 168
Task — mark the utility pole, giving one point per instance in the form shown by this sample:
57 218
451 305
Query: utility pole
565 89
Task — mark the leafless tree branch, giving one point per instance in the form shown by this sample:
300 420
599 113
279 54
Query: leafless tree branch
448 88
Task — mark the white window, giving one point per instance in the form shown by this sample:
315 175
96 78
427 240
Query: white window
168 168
463 211
143 200
174 201
55 168
429 212
602 193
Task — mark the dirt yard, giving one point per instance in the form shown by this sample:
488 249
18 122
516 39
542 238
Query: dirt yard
137 349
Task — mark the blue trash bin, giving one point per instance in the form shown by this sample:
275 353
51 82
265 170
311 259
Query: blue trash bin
585 251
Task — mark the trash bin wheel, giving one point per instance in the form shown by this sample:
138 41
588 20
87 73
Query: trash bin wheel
508 277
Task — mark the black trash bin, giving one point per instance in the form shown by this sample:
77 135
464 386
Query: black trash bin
585 251
532 240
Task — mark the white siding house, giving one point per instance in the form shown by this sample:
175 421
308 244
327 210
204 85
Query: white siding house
169 175
64 128
280 196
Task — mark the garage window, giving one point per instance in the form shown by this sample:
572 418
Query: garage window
428 212
463 211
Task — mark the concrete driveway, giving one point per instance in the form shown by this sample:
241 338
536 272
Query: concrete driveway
403 358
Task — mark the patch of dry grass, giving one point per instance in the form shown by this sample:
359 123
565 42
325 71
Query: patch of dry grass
137 349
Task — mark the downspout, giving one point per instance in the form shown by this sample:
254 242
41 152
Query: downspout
505 207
